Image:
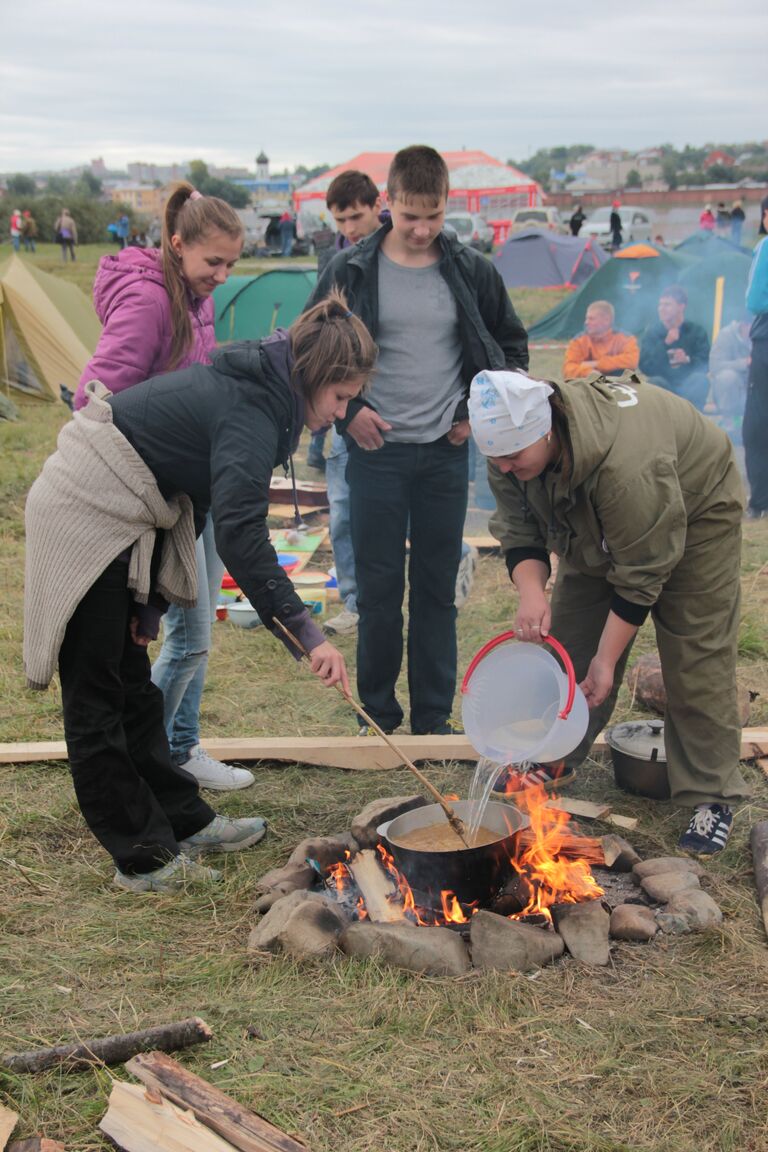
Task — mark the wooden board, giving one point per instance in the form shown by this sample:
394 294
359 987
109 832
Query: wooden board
366 753
286 511
310 492
626 822
142 1121
483 543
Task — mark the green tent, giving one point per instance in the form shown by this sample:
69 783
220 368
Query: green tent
250 307
631 281
48 329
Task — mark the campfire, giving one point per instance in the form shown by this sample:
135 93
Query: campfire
542 872
538 888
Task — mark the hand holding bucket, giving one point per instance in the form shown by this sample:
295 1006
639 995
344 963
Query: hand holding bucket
518 704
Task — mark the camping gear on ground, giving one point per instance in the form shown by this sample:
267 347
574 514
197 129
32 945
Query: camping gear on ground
471 874
251 307
539 259
519 705
450 815
48 330
639 758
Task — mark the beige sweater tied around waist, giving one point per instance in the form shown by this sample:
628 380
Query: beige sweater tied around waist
95 498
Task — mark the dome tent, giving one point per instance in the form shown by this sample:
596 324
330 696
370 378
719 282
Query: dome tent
538 259
250 307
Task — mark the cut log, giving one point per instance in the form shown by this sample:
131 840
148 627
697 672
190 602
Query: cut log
382 899
588 848
243 1129
142 1121
758 838
628 822
8 1121
111 1049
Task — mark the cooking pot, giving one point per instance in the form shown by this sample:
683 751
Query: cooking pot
472 874
639 758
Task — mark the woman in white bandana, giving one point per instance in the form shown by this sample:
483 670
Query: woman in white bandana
640 497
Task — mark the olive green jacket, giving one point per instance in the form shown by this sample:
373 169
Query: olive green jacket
651 477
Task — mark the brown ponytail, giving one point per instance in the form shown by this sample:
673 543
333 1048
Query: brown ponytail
330 345
193 217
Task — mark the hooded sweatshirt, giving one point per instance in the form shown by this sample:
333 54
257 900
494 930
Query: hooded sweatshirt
651 478
131 301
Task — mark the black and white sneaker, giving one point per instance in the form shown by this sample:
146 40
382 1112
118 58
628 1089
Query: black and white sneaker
708 830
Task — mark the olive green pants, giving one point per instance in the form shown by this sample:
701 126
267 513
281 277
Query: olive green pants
696 620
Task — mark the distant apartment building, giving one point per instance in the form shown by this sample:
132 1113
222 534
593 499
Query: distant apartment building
141 173
143 198
609 169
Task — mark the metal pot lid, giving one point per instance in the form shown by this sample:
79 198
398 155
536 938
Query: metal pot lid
641 738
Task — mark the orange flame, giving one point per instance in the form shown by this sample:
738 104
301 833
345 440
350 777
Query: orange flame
552 878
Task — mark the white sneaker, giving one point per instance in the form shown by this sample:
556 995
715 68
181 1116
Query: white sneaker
177 874
465 576
225 835
342 624
212 774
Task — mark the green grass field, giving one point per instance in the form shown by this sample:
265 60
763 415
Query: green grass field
662 1051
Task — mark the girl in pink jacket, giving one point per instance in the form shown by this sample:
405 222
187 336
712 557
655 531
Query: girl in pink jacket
158 316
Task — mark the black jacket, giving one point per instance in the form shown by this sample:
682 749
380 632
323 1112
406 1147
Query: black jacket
654 360
492 336
217 432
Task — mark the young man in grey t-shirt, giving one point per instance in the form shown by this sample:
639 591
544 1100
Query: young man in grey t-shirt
439 313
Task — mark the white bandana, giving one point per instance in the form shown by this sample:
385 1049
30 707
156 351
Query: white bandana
508 411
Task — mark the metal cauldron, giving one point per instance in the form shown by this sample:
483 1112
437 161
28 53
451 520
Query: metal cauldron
472 874
639 758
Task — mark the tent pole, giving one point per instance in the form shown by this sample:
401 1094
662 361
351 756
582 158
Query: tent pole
718 317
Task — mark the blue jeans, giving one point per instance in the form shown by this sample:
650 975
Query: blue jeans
341 536
179 671
425 484
16 241
478 471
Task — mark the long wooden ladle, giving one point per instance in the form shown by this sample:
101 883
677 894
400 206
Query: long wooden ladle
455 821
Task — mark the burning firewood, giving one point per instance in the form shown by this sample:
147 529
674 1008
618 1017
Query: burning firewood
378 891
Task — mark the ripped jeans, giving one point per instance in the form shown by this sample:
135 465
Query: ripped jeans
179 671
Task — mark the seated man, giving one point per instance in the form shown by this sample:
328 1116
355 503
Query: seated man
674 352
728 369
600 349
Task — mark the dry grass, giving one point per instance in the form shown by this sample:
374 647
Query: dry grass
664 1050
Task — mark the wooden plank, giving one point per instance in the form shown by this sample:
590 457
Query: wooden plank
483 543
8 1121
368 753
619 821
583 808
286 511
241 1128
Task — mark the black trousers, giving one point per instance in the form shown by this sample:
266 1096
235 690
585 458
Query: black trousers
399 491
755 427
136 802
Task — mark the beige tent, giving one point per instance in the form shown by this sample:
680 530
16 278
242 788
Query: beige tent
48 329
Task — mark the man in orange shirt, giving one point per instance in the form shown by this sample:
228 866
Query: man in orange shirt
600 349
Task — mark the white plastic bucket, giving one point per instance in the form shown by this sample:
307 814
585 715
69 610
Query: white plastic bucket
518 704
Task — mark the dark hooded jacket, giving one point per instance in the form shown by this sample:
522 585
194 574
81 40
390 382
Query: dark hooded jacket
491 333
217 433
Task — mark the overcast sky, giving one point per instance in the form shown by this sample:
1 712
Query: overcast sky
312 82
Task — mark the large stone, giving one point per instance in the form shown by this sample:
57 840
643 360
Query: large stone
663 864
646 683
619 854
584 928
312 929
378 812
698 908
281 881
326 850
633 922
436 951
265 937
508 946
662 887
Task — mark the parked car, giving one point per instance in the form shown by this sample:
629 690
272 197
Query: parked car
636 224
471 229
548 218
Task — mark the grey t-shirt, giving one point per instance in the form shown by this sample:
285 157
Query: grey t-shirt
418 383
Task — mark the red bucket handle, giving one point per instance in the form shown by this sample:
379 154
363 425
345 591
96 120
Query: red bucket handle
501 639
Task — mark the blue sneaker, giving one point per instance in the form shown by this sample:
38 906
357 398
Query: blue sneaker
708 830
225 835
